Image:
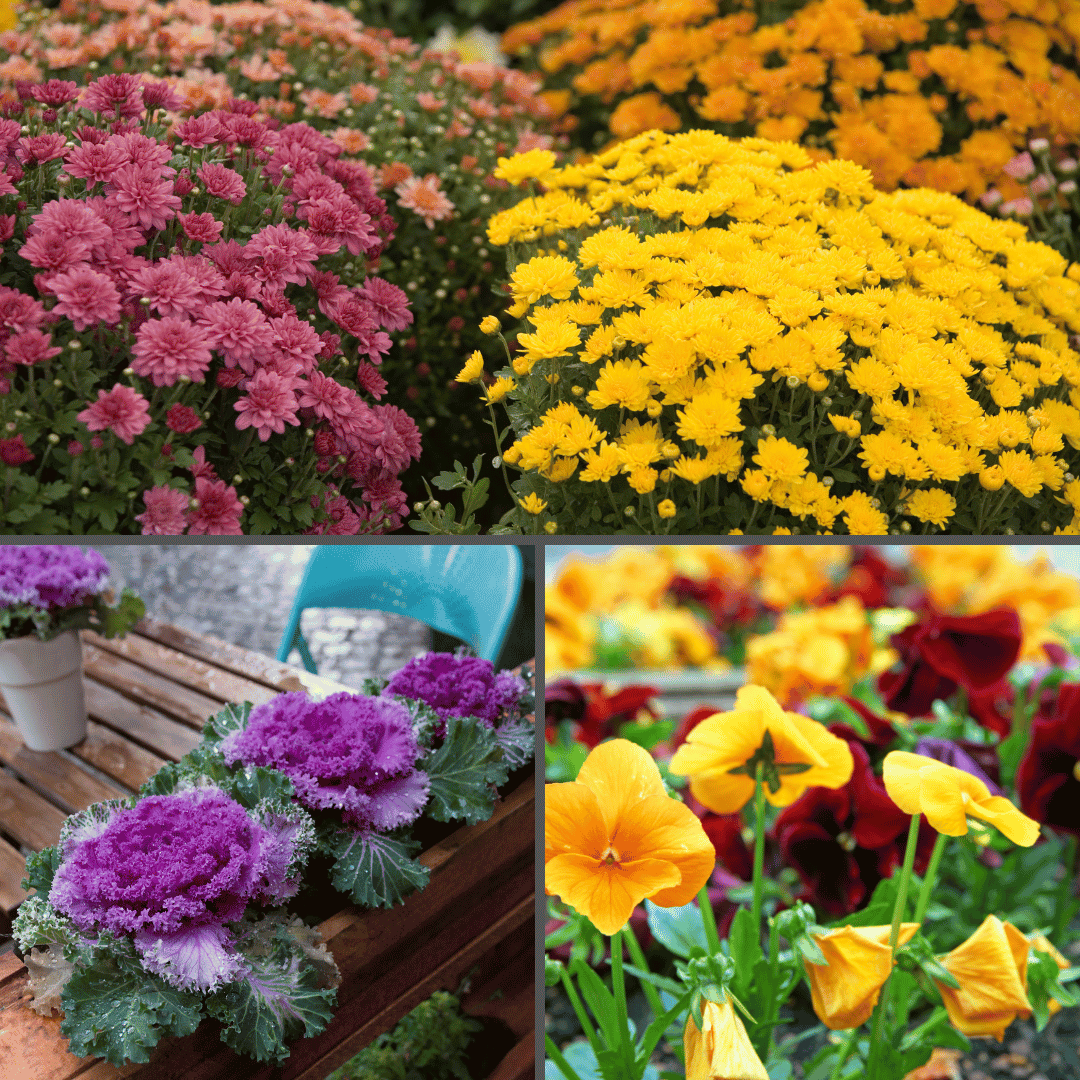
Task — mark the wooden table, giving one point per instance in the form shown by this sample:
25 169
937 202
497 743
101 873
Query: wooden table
147 696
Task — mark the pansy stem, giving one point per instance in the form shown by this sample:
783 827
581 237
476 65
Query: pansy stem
759 848
931 878
845 1054
638 954
712 935
876 1039
618 982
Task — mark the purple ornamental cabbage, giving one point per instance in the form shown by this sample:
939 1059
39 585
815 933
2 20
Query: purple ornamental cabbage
458 686
350 752
49 577
172 871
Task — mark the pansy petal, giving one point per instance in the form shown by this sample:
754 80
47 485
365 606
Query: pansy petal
607 893
942 800
619 773
722 794
572 821
902 780
999 812
663 828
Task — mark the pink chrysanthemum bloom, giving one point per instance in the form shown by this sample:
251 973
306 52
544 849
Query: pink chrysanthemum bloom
1020 167
50 249
218 509
144 195
182 419
293 251
30 347
204 228
270 404
388 302
330 400
74 218
296 340
121 95
121 410
55 92
223 183
166 349
170 289
166 512
36 149
425 198
86 297
95 162
199 131
238 330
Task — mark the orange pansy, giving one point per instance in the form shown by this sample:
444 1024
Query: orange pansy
614 837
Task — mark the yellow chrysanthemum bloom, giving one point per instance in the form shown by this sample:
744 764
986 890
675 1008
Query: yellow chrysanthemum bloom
473 369
499 389
666 508
490 324
931 505
532 165
533 504
546 275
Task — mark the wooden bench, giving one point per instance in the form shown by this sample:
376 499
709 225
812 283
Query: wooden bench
148 695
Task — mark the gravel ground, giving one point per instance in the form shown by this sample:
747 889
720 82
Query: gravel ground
243 593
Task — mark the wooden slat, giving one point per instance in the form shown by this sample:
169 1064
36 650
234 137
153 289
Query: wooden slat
149 688
158 733
60 780
252 665
520 1063
116 756
26 816
207 678
12 869
32 1048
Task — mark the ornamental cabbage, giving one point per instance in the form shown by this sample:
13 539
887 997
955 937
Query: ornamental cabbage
351 752
172 871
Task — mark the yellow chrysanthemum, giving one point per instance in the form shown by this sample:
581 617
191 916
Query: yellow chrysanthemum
532 165
622 383
499 389
780 459
533 504
545 275
473 369
932 505
490 324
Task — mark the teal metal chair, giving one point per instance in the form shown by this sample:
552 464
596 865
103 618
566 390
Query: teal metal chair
467 591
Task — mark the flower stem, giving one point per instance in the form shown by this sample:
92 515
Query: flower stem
712 935
759 848
638 954
618 982
931 878
876 1039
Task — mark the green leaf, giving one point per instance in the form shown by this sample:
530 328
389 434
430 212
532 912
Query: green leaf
231 718
599 999
120 1013
41 867
647 735
680 930
376 869
278 1000
744 940
464 772
518 741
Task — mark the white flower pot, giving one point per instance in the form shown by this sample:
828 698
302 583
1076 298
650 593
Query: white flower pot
42 684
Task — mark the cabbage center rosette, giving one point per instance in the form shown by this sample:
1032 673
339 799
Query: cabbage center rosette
150 914
172 871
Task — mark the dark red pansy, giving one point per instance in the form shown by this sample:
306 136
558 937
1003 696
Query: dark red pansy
941 652
597 713
880 731
871 578
1048 779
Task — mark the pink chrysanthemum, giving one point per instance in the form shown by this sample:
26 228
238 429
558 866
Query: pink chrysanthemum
182 419
270 404
204 228
86 297
121 95
95 162
166 349
15 452
165 514
296 340
238 330
389 303
74 218
37 149
223 183
425 198
121 410
170 289
218 510
30 347
330 400
199 131
144 195
50 249
280 254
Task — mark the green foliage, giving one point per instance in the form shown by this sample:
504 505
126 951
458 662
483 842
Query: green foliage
116 1010
21 620
375 869
517 739
464 772
276 1000
430 1043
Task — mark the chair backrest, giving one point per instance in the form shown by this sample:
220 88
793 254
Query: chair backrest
468 591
